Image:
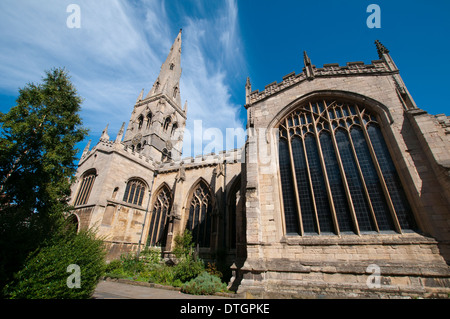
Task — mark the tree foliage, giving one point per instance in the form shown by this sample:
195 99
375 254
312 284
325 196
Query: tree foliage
45 274
37 163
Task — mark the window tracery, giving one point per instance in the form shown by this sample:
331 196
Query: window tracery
337 174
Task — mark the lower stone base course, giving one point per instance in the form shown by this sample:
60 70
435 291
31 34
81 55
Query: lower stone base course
301 290
314 283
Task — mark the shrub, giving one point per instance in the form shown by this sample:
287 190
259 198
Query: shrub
183 244
188 268
204 284
45 273
113 266
211 268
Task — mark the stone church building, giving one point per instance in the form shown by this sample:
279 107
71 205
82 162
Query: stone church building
341 189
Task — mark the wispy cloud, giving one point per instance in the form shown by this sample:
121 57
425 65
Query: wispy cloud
211 59
119 50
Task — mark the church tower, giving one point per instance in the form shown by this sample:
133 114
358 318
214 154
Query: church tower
158 121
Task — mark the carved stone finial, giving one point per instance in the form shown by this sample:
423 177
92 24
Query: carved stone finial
181 175
381 49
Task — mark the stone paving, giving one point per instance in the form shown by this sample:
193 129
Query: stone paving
107 289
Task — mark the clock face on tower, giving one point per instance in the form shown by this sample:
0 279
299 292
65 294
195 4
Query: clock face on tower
136 139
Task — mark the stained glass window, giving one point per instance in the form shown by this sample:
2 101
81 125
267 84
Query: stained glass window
200 215
157 234
85 188
337 174
134 192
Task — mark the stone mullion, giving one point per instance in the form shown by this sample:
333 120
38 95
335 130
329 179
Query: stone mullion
342 171
294 179
379 173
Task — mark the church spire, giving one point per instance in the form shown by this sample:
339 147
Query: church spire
168 81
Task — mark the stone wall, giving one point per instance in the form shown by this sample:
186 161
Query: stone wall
412 264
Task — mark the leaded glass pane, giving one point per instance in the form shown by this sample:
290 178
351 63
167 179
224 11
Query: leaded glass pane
353 181
402 208
317 179
336 185
305 196
384 219
287 185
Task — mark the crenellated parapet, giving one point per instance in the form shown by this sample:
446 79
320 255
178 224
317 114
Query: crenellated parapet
332 69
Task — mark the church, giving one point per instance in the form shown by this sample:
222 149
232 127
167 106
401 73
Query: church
341 189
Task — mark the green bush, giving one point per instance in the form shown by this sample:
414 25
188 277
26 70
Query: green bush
188 268
114 266
183 244
45 274
204 284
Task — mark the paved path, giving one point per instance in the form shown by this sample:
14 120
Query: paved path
118 290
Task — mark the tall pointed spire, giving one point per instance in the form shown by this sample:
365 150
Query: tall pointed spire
168 81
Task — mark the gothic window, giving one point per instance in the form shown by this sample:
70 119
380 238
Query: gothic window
166 123
175 91
232 205
134 192
174 128
138 147
200 211
149 119
171 66
140 121
158 223
85 188
337 174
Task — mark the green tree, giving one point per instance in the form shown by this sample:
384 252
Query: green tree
37 165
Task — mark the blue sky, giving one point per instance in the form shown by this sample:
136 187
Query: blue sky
121 45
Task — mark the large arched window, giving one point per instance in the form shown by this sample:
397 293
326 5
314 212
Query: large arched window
158 223
134 192
337 174
200 211
85 188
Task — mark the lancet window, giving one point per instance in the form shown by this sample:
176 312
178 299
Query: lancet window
158 222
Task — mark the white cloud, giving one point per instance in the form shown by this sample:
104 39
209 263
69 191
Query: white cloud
118 51
211 49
